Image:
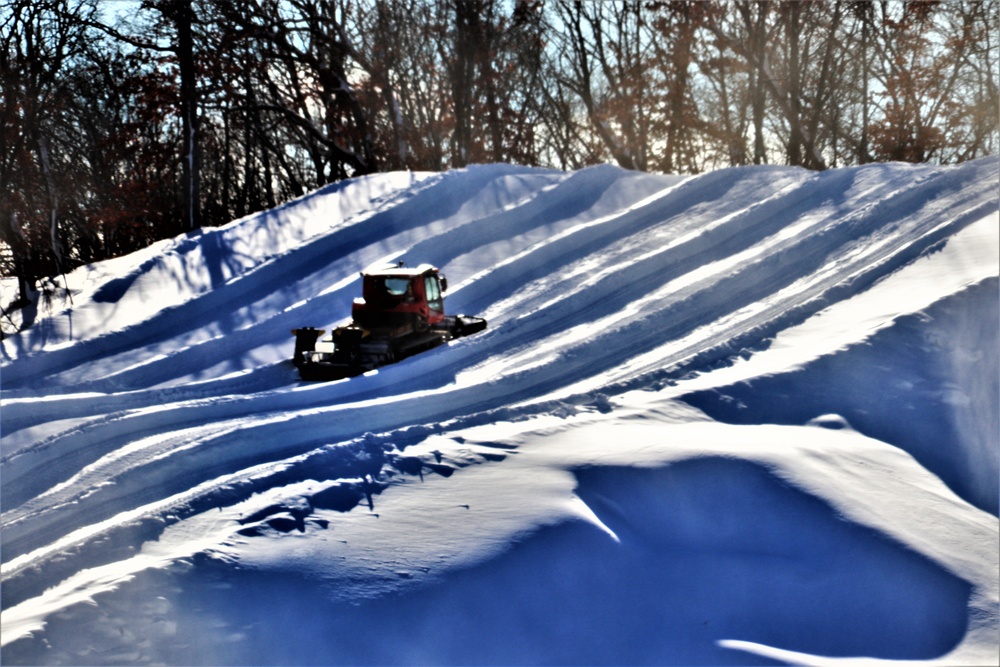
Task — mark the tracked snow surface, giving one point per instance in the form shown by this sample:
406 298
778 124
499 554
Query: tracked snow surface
747 417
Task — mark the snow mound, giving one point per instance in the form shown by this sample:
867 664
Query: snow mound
750 415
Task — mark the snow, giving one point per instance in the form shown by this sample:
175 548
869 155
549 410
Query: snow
746 417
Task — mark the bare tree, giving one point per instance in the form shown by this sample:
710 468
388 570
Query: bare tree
603 60
39 43
676 26
932 66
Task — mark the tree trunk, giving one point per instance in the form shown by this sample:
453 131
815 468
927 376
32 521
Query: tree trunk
462 77
53 197
183 17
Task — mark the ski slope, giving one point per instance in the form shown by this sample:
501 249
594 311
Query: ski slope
745 417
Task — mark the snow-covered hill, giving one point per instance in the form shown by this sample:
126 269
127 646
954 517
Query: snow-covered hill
744 417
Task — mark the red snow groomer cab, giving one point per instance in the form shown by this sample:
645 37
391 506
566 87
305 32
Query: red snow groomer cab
400 313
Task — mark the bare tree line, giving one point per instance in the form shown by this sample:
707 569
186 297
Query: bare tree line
121 129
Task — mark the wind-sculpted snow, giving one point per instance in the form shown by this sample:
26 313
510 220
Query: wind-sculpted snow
818 351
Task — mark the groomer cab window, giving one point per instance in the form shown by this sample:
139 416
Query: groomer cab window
396 286
433 290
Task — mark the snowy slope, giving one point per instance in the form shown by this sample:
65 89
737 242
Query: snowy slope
744 417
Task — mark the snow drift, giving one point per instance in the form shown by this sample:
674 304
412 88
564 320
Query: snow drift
744 417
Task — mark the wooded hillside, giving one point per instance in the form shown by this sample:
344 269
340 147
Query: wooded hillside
127 122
